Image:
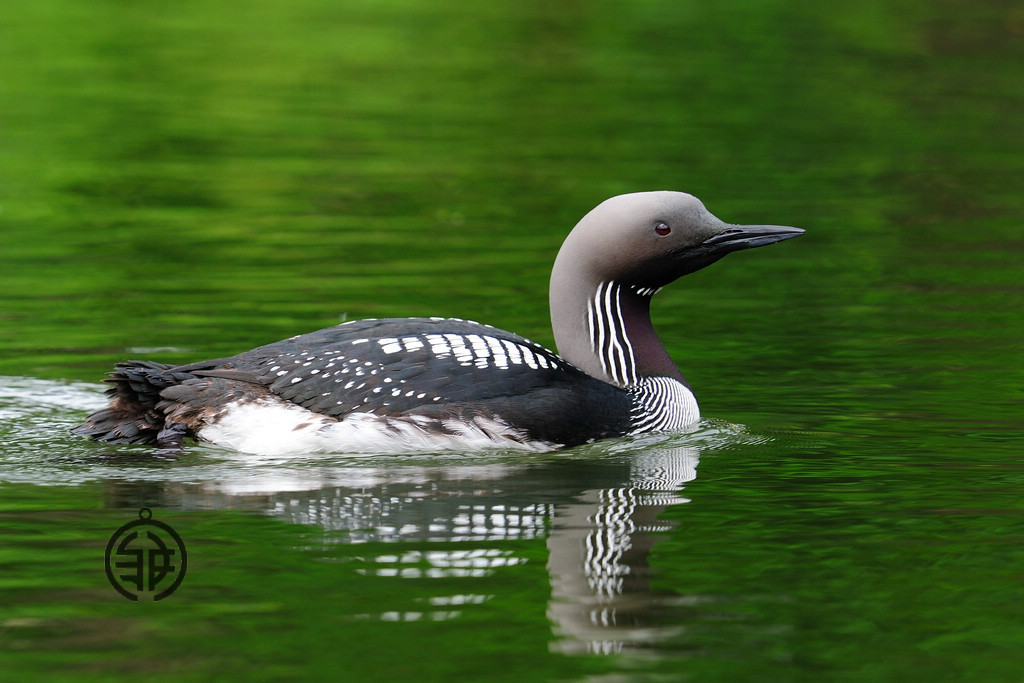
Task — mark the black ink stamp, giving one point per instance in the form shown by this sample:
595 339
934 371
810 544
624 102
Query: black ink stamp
145 558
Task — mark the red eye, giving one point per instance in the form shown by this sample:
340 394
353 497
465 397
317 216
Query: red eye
662 229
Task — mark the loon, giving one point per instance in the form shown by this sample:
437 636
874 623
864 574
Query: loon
431 384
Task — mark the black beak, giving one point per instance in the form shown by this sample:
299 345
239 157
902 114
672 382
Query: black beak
736 237
732 238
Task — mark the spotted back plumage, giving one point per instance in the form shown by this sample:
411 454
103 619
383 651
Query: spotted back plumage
432 367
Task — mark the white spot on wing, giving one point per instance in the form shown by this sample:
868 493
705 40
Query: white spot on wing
439 346
479 345
514 353
497 352
458 346
389 345
412 343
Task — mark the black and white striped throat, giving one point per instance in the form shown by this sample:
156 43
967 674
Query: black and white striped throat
608 337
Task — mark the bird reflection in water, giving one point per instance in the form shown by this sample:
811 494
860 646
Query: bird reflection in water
598 511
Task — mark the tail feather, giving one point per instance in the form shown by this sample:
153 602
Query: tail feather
133 415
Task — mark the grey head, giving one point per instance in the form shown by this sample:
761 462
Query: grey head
616 258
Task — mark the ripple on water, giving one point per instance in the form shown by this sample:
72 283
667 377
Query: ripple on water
37 415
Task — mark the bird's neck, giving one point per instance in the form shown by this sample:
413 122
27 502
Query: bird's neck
605 329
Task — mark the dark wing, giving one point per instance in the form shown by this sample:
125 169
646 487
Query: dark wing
441 368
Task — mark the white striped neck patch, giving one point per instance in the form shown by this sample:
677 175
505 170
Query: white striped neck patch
662 404
608 338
